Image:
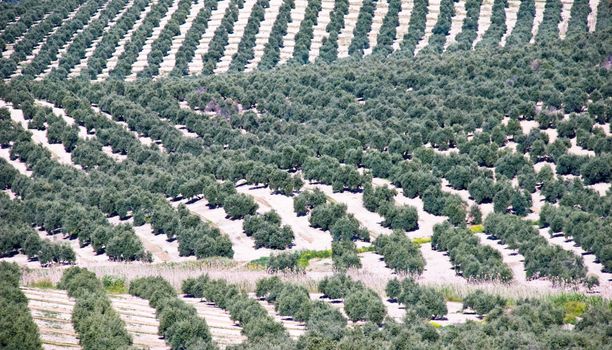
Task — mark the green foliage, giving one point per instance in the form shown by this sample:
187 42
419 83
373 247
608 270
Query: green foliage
18 330
483 303
426 302
400 254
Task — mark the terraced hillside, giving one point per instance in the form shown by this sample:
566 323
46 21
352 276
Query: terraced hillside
203 174
243 33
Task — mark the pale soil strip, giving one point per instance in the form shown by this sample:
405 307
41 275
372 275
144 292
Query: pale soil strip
293 27
438 267
404 16
537 20
318 33
382 7
262 37
294 328
579 151
140 321
216 17
354 203
566 13
426 220
10 48
64 49
39 136
456 23
484 20
85 256
511 17
145 140
243 246
76 70
69 120
233 39
17 164
52 313
433 11
141 62
592 266
306 237
11 23
485 208
350 22
38 47
120 49
592 18
511 257
223 329
170 60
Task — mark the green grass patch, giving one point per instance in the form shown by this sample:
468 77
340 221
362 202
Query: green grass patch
574 304
114 285
435 324
307 255
259 264
477 228
450 293
421 240
43 284
367 249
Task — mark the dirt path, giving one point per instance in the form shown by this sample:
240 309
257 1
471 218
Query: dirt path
297 16
350 22
306 237
139 320
592 266
318 32
120 48
52 312
197 64
294 328
382 7
224 330
263 35
404 22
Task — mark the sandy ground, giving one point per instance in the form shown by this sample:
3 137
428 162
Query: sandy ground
293 27
433 11
170 60
511 17
141 62
235 36
538 17
76 70
196 65
354 202
9 48
120 49
323 19
566 9
382 7
404 22
593 267
426 220
224 331
438 267
146 141
294 328
263 35
484 20
350 22
139 320
52 313
57 150
456 23
592 18
577 150
17 164
39 46
244 246
64 49
306 237
601 188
